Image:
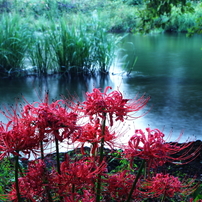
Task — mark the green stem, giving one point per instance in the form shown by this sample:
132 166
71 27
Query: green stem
135 181
57 155
145 170
164 196
58 160
47 188
16 178
42 150
73 190
48 194
101 158
45 179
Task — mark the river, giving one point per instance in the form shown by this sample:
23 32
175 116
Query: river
168 68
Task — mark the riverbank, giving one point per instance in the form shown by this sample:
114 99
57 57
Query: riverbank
192 169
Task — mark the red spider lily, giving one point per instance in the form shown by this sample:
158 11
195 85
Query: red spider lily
17 137
168 186
34 184
52 118
153 148
85 197
92 133
32 124
113 104
118 186
77 176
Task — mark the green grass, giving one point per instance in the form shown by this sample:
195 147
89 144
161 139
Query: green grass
40 54
75 48
6 177
14 43
70 46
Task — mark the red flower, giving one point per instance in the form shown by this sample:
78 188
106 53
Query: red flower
153 148
85 197
32 185
168 186
33 123
17 137
78 176
118 186
92 133
113 104
52 119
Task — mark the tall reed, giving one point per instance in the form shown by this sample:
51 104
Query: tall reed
103 44
14 42
81 48
59 46
103 49
66 45
40 54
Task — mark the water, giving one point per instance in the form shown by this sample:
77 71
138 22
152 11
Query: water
169 69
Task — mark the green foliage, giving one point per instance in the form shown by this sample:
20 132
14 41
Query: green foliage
82 47
6 176
14 42
40 54
103 49
133 2
75 46
5 6
70 46
197 195
158 14
121 163
118 15
179 22
159 7
197 28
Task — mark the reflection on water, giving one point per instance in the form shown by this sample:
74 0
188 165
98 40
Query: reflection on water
169 69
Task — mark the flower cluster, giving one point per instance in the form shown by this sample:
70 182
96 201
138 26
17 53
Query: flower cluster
155 150
87 177
17 136
168 186
51 118
92 133
32 185
113 104
77 176
119 185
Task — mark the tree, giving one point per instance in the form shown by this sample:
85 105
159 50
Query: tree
156 13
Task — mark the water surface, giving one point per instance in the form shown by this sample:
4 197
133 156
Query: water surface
169 69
